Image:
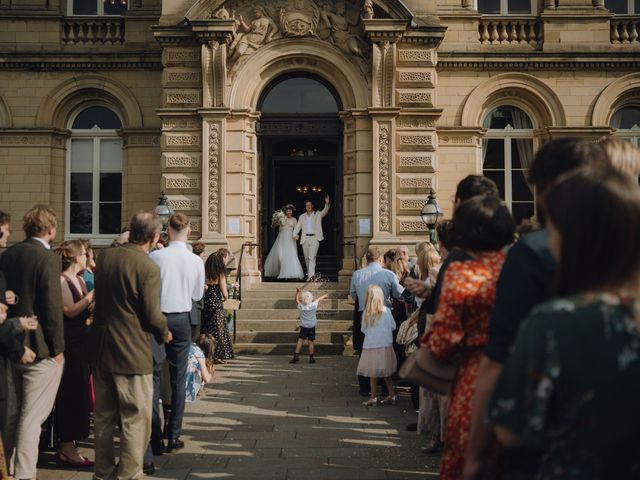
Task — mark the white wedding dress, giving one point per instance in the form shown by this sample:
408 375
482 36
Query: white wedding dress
282 261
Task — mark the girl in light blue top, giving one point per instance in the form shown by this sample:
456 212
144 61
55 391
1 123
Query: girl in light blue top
377 358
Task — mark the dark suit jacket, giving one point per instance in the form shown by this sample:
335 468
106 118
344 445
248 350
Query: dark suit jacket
127 285
33 273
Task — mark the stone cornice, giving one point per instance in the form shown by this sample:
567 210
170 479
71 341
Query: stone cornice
80 61
539 61
19 137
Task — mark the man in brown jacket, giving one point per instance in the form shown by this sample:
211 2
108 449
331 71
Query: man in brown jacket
127 310
32 271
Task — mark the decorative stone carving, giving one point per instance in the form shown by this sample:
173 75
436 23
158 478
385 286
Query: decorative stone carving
412 204
458 140
182 139
384 183
415 140
415 77
299 18
414 98
195 224
338 25
180 55
183 98
177 181
214 178
184 203
367 10
415 56
25 140
259 32
415 183
417 161
412 226
181 160
184 76
415 123
180 124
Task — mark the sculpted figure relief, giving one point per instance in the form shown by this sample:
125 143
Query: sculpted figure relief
367 10
259 32
339 27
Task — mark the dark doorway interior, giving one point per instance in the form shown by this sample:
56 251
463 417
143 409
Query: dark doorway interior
295 170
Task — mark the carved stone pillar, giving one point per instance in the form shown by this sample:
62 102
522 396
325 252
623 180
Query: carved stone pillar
214 36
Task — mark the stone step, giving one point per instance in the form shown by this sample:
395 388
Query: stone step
288 349
290 294
338 338
290 325
291 286
283 303
289 314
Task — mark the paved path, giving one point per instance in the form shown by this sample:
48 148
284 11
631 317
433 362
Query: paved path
266 419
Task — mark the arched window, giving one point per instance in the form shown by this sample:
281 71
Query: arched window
94 174
299 95
507 153
623 7
627 122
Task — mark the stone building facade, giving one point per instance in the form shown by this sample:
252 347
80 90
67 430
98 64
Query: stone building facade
105 104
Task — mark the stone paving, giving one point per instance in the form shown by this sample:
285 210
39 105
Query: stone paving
263 418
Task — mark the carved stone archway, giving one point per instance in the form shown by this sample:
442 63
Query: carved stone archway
219 58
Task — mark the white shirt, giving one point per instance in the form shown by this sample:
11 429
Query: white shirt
310 225
308 318
46 245
181 277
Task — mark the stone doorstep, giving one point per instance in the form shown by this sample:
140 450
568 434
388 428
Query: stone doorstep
289 348
290 325
334 337
290 294
290 314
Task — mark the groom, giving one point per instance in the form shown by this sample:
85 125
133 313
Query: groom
310 223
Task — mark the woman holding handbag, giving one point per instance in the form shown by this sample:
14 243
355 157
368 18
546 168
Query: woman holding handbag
482 226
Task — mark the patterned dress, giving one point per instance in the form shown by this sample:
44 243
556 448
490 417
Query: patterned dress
570 387
458 334
215 324
194 374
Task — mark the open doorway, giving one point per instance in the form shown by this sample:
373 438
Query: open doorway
301 159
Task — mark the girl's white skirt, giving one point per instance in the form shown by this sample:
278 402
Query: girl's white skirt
377 362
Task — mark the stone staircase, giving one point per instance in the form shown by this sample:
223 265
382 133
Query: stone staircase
267 323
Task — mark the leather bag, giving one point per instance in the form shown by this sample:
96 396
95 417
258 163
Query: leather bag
422 368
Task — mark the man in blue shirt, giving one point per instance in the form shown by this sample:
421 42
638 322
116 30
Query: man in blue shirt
372 274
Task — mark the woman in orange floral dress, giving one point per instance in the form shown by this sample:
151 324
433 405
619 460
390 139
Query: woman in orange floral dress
482 226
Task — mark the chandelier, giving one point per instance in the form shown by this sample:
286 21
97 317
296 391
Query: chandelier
307 189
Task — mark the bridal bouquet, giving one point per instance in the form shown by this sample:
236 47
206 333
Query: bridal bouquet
278 218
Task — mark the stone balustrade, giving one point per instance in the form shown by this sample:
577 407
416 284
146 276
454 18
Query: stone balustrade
510 31
624 29
92 30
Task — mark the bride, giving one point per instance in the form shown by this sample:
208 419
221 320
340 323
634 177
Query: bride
282 261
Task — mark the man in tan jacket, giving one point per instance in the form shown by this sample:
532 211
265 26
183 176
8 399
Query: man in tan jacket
127 310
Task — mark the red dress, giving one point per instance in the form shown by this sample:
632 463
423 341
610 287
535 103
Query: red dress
459 333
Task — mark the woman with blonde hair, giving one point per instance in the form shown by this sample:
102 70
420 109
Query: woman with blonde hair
72 410
624 157
377 358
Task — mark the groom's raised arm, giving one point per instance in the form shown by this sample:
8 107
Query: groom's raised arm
325 210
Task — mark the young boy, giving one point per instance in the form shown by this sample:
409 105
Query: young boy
308 320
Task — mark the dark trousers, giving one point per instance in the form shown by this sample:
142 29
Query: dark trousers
178 357
156 421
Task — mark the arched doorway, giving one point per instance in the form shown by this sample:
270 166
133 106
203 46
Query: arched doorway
300 143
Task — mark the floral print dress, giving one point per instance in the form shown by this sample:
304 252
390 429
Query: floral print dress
571 387
459 333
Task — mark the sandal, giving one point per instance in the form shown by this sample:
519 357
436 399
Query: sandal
389 400
63 461
372 402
